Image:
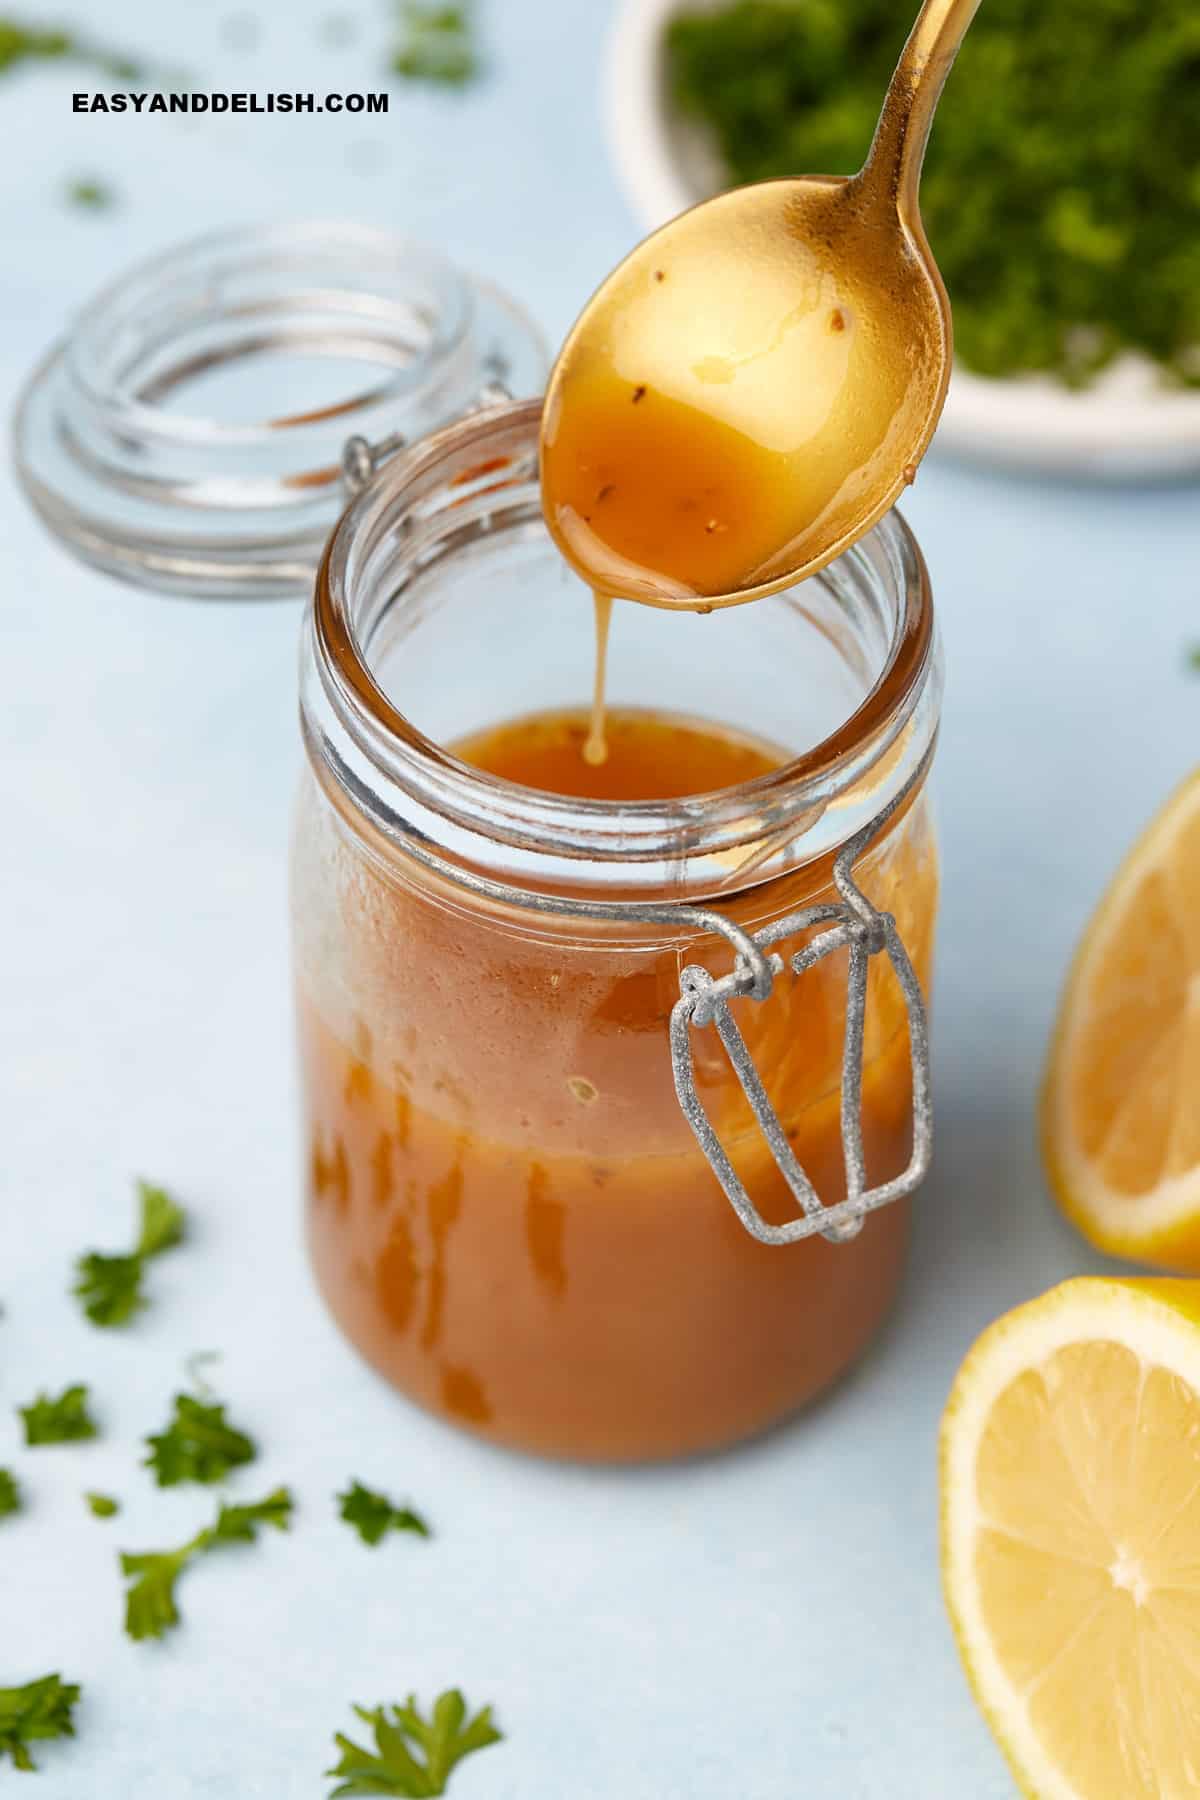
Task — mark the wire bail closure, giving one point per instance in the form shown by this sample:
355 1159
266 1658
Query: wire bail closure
860 927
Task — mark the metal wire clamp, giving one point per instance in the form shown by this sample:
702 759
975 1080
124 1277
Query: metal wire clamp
854 924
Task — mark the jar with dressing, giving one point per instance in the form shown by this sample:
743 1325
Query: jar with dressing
614 1066
510 1212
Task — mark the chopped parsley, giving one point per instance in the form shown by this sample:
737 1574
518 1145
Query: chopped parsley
412 1756
110 1286
30 43
10 1494
437 43
1060 194
197 1445
373 1515
238 1524
62 1421
91 196
39 1710
102 1505
150 1607
21 42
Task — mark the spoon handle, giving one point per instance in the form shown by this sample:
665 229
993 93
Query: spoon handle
893 167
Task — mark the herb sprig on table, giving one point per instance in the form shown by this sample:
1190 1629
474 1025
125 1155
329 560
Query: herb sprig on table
110 1286
198 1444
62 1421
437 43
373 1515
413 1756
90 194
1060 192
150 1607
38 1711
22 41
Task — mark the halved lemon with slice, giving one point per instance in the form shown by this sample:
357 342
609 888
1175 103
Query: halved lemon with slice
1121 1102
1071 1538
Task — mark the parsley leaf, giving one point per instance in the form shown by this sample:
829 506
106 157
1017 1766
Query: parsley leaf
437 44
40 1709
163 1223
10 1493
103 1505
92 195
62 1421
110 1286
150 1608
442 1742
23 43
239 1524
19 43
373 1515
197 1445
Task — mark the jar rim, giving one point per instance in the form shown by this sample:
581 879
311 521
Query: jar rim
606 831
137 478
109 386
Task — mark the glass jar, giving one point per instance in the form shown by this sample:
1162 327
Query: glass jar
186 433
509 1212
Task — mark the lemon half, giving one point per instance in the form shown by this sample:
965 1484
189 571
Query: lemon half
1071 1538
1121 1102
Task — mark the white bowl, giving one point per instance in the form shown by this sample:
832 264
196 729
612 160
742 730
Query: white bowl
1126 426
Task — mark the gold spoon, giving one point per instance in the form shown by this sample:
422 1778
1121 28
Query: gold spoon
752 388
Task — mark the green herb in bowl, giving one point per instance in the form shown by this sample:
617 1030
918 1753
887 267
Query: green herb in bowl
1062 189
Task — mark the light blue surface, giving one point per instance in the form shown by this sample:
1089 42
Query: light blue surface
765 1626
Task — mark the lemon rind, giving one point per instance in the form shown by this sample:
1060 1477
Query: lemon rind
1161 1226
1088 1308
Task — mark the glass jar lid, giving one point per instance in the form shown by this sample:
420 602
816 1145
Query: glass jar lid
187 433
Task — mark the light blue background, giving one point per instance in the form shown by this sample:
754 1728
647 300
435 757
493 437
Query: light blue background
767 1625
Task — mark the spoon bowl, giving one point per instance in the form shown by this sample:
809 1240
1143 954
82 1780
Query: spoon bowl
754 386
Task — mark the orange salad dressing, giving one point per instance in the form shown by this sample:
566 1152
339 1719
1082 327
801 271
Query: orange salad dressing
508 1213
717 422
